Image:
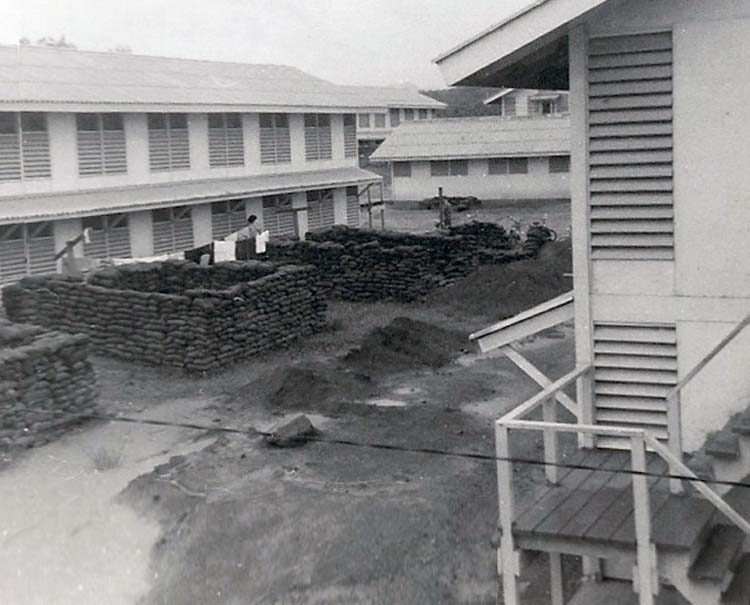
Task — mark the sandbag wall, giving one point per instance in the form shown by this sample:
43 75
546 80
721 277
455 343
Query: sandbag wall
365 265
46 383
176 313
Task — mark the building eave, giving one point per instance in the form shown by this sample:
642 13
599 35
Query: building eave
527 50
94 106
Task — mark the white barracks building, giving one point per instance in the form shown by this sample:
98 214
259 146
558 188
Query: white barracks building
159 155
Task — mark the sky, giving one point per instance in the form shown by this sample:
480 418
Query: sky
379 42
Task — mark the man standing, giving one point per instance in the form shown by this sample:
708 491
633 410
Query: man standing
246 249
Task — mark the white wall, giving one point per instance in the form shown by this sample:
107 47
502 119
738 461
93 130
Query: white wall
537 184
64 156
706 290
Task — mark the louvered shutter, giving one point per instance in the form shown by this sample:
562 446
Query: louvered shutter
109 237
217 147
13 257
10 157
114 152
179 144
278 217
227 218
35 150
630 145
158 149
40 243
635 367
225 140
352 206
173 230
350 136
183 228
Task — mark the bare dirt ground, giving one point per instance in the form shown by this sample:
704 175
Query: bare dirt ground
555 213
129 513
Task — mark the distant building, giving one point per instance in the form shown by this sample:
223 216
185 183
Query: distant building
514 102
158 155
491 158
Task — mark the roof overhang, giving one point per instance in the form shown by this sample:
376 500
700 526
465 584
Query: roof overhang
527 50
95 107
76 204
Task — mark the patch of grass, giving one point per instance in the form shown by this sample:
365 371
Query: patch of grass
106 458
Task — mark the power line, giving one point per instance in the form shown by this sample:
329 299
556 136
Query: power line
393 447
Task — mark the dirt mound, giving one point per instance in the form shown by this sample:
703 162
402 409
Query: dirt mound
320 389
496 292
406 344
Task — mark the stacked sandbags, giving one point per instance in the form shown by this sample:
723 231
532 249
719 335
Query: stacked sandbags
46 383
177 313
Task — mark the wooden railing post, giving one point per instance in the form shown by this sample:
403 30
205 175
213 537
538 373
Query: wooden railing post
507 559
585 397
674 428
551 449
645 554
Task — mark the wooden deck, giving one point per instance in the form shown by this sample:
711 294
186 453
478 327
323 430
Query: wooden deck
596 506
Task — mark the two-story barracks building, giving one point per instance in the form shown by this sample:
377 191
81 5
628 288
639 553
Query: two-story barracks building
158 155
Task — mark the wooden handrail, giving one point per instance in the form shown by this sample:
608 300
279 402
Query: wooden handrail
550 391
711 354
664 452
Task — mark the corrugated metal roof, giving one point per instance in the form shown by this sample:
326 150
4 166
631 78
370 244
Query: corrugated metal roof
477 138
396 96
28 208
36 74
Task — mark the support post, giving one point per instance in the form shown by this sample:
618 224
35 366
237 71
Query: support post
674 428
382 205
507 553
645 554
556 579
440 208
549 411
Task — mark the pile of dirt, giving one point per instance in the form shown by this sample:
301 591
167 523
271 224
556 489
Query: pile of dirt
493 293
320 389
406 344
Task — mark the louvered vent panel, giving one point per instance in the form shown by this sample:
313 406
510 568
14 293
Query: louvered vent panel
325 143
183 229
278 221
227 218
36 160
115 153
90 159
163 238
111 239
235 147
635 367
41 248
312 148
630 147
13 261
275 145
350 137
179 148
10 157
352 207
217 147
158 150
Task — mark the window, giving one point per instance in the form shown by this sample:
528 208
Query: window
24 146
440 168
26 249
559 164
402 169
424 114
101 144
173 229
408 115
509 106
542 106
168 141
278 216
275 140
497 166
350 136
379 120
352 206
227 217
109 236
320 211
449 168
318 144
459 168
518 166
395 117
364 120
226 146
